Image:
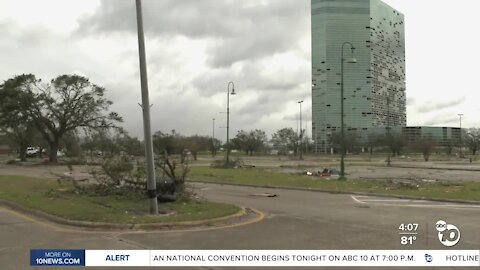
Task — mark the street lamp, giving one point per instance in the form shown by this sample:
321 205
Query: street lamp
388 131
350 60
461 153
300 143
227 162
213 138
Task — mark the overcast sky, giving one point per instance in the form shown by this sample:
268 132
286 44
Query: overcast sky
195 47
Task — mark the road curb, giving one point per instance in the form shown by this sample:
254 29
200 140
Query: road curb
242 213
349 193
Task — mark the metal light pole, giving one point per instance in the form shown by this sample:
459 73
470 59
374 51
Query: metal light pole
388 130
301 133
227 162
350 60
213 138
306 135
151 185
461 153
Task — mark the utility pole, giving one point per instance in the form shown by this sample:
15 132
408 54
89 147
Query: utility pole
151 185
461 152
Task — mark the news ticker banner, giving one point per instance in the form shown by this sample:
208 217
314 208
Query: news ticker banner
318 258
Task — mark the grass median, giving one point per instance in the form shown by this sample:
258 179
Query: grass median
469 191
59 199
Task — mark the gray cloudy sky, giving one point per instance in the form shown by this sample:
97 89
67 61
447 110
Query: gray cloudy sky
194 47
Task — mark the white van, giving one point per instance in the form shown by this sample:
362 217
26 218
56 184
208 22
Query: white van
32 151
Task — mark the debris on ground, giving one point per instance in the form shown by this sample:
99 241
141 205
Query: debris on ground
247 166
322 173
265 194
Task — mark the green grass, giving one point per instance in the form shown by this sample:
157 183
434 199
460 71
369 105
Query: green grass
259 177
58 199
4 158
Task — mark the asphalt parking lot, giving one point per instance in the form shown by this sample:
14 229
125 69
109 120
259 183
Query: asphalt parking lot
293 220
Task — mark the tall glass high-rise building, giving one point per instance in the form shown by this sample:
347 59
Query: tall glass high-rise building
374 87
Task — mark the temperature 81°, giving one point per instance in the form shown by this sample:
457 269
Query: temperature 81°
408 233
407 239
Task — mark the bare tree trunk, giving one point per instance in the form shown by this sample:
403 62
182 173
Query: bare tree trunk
53 151
23 153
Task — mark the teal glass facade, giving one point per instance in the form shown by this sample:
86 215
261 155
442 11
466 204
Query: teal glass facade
443 136
374 87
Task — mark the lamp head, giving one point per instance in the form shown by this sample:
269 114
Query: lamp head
352 60
233 92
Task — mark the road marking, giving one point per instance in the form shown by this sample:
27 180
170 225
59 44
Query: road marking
393 200
357 200
412 203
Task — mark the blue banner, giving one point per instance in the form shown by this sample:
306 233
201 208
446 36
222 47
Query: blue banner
57 257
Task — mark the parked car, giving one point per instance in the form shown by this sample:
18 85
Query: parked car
32 151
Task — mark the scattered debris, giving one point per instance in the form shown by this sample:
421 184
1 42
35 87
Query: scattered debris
265 194
247 166
322 173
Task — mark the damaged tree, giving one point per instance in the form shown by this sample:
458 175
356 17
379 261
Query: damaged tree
171 186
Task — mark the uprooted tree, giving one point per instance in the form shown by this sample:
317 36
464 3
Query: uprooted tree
119 172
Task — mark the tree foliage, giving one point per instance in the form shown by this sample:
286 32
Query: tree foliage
425 146
396 142
70 102
175 143
374 140
285 140
164 142
251 141
15 122
351 140
110 143
472 140
62 106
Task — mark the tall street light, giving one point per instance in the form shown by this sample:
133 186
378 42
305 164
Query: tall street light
227 162
350 60
388 130
213 138
151 185
461 153
301 133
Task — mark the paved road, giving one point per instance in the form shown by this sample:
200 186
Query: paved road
294 220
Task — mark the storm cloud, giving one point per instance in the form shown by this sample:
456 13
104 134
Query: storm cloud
195 48
235 30
440 105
